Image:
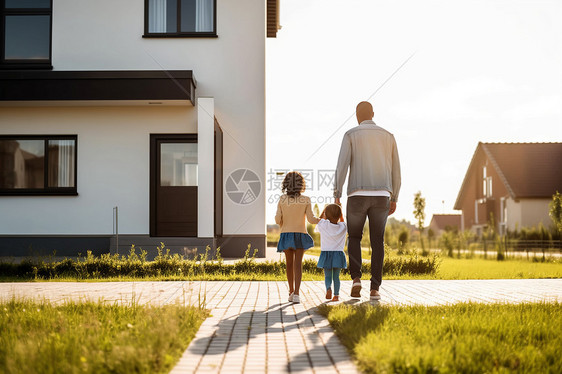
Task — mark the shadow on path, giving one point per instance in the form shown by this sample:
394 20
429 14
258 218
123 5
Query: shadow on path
302 342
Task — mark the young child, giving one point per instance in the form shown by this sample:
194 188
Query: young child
333 231
292 209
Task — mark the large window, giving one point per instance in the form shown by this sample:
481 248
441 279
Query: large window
180 18
38 165
25 34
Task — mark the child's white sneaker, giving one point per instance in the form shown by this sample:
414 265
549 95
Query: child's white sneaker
296 299
291 297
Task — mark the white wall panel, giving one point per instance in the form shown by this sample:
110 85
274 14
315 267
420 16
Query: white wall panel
113 167
107 35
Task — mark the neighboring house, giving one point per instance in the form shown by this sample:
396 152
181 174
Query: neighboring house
273 229
156 107
511 182
445 222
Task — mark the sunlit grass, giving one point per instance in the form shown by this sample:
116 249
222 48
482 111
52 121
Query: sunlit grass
38 337
464 338
477 268
452 268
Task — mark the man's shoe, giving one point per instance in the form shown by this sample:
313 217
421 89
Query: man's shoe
356 288
375 295
329 294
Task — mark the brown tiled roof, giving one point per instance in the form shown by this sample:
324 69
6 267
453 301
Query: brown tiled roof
527 169
272 18
444 220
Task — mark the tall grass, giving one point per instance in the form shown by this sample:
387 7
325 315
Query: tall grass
168 266
464 338
38 337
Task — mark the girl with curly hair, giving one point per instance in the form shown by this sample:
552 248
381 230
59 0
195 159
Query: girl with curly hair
292 209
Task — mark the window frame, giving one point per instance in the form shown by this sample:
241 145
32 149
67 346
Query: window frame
46 190
180 34
24 64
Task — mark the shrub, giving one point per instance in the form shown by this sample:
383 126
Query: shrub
175 265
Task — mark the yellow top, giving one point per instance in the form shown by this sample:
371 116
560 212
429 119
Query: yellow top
291 211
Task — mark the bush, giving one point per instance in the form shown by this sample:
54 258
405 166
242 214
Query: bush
447 241
168 265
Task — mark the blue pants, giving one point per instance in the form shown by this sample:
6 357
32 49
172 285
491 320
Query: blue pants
332 274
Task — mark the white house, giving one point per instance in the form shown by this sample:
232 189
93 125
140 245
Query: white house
156 107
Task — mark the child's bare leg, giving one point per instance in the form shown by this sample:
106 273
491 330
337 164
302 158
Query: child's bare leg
289 259
299 253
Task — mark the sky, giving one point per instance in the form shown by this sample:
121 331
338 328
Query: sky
443 76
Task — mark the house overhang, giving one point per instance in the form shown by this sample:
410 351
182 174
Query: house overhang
101 87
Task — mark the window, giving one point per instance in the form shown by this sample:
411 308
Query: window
180 18
178 164
25 34
486 183
38 165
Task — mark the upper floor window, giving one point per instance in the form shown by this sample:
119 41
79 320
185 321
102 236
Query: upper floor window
25 34
486 183
38 165
180 18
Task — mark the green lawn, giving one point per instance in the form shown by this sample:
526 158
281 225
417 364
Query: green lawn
479 268
464 338
94 337
452 268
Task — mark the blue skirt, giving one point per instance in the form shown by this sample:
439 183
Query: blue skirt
294 240
332 259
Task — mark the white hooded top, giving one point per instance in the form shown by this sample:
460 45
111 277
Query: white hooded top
332 235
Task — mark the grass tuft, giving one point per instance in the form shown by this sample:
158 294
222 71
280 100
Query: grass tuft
38 337
466 338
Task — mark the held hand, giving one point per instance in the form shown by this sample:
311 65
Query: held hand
337 201
392 207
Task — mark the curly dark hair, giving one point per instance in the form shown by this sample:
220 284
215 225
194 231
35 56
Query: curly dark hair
293 184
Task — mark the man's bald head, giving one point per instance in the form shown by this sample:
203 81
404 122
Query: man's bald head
364 111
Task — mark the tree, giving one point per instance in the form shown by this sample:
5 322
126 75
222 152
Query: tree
430 236
555 210
419 213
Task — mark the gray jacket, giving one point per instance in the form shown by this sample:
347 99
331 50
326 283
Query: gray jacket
370 152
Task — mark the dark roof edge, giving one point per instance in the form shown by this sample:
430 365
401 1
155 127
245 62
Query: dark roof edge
95 74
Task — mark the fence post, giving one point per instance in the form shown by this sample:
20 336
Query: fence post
116 227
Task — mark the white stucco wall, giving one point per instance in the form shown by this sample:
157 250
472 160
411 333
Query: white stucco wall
113 168
527 213
107 35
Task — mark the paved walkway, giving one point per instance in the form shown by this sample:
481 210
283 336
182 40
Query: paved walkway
252 327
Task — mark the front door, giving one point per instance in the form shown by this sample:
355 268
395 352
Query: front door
173 192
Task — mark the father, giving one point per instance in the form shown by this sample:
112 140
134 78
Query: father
370 152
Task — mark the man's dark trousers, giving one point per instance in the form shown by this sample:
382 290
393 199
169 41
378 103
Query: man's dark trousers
358 209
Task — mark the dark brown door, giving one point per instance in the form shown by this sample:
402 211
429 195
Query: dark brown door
173 174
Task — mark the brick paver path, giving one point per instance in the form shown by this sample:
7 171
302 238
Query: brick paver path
252 327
